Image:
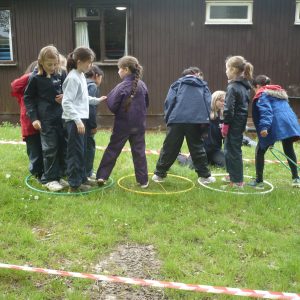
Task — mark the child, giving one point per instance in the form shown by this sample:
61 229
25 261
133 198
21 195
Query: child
42 99
274 120
94 78
128 101
187 109
238 72
213 141
30 135
75 105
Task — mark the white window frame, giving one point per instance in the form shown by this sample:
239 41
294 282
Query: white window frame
10 38
247 21
297 13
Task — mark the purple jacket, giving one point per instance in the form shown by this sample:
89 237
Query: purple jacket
134 120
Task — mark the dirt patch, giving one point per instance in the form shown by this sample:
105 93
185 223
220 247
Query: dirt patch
130 260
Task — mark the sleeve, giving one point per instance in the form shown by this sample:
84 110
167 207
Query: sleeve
114 99
30 99
92 90
265 113
70 88
147 99
230 100
170 101
207 99
18 85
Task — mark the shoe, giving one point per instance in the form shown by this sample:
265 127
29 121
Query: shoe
79 189
237 185
207 180
157 178
91 182
296 183
226 179
64 183
93 176
257 185
144 186
54 186
101 181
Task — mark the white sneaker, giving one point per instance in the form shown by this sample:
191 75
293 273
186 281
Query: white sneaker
157 178
93 176
54 186
144 186
64 183
207 180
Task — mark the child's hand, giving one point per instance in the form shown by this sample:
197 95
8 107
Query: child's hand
264 133
58 98
80 127
224 130
102 98
37 125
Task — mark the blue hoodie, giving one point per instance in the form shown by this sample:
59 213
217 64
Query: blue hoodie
188 101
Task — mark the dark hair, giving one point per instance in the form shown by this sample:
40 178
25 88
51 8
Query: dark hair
135 68
31 67
241 65
93 71
80 53
193 71
261 80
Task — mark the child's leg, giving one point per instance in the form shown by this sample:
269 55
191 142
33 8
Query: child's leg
90 153
288 148
35 154
260 162
194 139
217 158
111 154
137 144
75 156
170 150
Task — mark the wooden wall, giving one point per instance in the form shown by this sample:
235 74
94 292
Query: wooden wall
167 36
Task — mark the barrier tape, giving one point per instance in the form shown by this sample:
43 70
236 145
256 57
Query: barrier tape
161 284
147 151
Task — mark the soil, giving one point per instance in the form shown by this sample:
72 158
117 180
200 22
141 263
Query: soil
128 260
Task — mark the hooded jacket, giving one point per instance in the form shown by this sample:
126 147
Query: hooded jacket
188 101
236 100
272 112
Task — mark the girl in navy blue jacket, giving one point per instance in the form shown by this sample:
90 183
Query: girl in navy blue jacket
274 120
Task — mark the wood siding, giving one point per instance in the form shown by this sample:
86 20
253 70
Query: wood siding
167 36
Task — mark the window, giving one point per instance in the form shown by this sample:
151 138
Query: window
6 50
102 29
297 15
229 12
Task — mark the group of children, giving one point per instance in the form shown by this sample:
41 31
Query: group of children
58 119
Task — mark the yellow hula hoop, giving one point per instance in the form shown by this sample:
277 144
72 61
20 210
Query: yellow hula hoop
156 193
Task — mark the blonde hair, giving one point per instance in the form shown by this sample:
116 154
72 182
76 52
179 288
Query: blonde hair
135 68
48 52
241 66
215 111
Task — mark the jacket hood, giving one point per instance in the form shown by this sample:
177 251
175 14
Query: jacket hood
192 80
243 81
275 91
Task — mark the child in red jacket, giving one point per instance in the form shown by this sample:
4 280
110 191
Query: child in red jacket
30 135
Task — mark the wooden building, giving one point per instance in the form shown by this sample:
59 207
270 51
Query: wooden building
166 36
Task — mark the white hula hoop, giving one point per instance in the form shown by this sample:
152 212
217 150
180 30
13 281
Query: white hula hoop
238 192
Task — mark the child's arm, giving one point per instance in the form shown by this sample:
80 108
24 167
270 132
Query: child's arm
18 85
265 115
230 99
96 101
114 99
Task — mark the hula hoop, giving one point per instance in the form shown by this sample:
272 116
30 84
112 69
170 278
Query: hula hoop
238 192
156 193
110 182
282 153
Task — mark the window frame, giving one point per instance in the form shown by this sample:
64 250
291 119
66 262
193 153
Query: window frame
210 21
297 13
100 18
12 62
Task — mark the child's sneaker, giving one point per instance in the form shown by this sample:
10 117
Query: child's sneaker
207 180
90 181
93 176
64 183
79 189
54 186
237 185
144 186
101 181
157 178
296 183
256 185
226 179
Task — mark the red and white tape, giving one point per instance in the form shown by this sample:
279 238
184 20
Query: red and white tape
162 284
147 151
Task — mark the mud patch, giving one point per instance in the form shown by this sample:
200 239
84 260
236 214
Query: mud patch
130 260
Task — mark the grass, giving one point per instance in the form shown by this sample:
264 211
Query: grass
201 236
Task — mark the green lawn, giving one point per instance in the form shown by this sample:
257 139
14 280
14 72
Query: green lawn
200 236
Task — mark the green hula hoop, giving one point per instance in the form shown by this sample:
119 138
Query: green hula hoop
109 183
281 153
156 193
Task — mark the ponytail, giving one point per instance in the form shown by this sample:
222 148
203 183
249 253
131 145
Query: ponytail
248 71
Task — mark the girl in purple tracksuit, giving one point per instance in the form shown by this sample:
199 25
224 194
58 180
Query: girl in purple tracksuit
128 101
